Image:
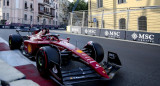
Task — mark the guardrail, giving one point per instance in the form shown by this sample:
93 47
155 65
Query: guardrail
147 37
25 26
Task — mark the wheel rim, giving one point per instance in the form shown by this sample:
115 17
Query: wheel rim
22 49
40 61
10 41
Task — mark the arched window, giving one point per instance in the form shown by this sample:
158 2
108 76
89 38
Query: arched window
3 2
25 16
7 2
25 5
30 18
7 16
31 6
53 22
44 21
122 23
49 21
37 19
142 23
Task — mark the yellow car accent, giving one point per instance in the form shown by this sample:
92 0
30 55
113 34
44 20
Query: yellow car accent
79 51
104 72
29 48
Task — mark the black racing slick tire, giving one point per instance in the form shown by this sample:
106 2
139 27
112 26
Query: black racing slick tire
95 51
15 41
48 62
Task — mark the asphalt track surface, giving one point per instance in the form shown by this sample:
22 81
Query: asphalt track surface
141 62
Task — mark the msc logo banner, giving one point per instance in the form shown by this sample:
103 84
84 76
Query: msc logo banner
112 34
144 37
90 31
117 34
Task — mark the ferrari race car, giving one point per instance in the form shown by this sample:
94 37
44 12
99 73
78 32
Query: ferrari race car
63 62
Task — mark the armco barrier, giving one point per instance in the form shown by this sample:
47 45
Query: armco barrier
117 34
5 26
75 29
91 31
143 37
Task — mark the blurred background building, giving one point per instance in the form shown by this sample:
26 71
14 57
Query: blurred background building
38 13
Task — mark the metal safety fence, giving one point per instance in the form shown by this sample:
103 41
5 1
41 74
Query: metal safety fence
79 18
145 19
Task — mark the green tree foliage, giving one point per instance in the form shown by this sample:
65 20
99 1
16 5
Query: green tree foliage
82 5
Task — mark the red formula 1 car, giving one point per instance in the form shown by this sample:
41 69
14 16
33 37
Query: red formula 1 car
63 62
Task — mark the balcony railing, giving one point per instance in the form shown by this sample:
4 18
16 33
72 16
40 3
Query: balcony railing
40 8
42 11
46 2
25 8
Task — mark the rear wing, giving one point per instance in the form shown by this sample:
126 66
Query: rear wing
27 29
112 65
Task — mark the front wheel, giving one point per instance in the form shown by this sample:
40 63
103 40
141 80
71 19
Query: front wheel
95 51
48 62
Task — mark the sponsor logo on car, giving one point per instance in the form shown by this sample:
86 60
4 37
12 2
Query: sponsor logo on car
78 77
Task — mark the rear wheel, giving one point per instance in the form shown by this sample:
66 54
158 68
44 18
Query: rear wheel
95 51
15 41
48 62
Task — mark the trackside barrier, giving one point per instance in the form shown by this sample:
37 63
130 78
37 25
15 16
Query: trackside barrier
6 26
76 29
91 31
117 34
68 28
143 36
24 26
147 37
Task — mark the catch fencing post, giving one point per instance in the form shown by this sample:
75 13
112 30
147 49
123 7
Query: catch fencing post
102 19
83 19
128 15
71 18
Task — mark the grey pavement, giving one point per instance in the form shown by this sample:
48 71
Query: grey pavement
15 58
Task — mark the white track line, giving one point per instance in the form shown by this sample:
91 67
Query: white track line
14 57
4 41
108 38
